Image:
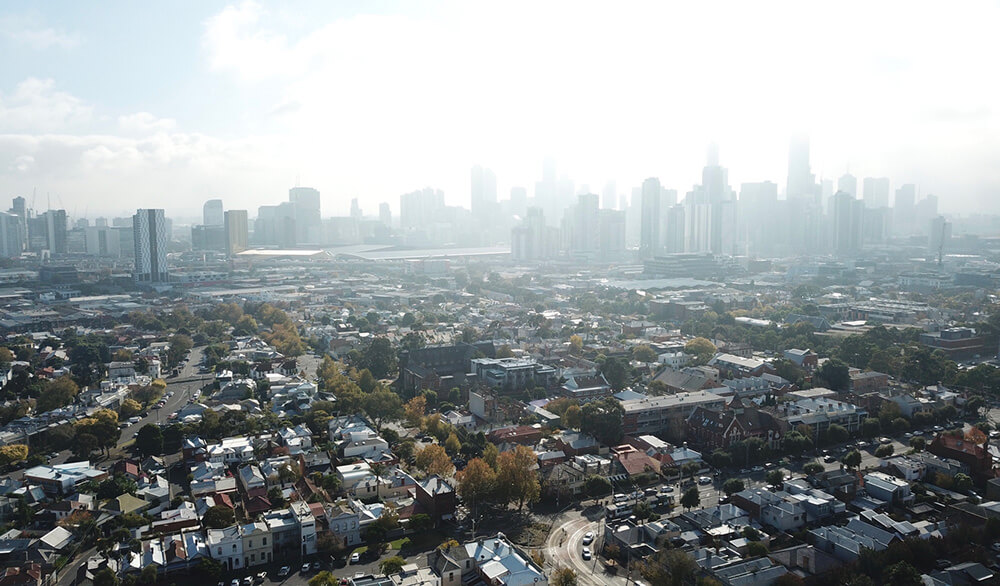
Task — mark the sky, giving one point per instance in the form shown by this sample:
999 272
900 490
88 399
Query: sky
109 106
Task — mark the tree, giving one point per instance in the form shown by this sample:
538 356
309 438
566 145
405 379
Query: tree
366 381
643 353
732 486
452 445
379 358
84 444
149 440
852 459
383 405
885 451
572 417
813 468
796 443
389 566
870 427
476 482
180 345
12 453
575 344
835 375
504 351
116 486
209 568
962 483
420 522
775 477
616 371
516 478
701 348
56 394
837 434
918 443
105 577
756 549
563 577
597 486
902 574
603 420
691 498
434 460
148 575
218 517
129 408
323 578
415 409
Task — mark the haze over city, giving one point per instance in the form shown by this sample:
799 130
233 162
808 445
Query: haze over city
102 111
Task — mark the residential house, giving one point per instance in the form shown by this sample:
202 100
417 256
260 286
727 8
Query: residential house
226 547
257 544
436 497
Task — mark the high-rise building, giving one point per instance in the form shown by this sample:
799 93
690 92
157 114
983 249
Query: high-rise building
208 238
583 232
47 231
355 209
848 227
149 230
103 241
875 192
609 197
11 242
533 239
308 227
801 181
675 236
518 201
237 227
649 236
711 217
212 214
385 214
759 225
848 184
420 209
904 210
484 192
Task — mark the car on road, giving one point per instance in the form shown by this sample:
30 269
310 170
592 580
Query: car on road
620 497
758 468
588 538
305 568
829 458
261 576
586 553
355 557
235 582
704 480
284 571
248 581
667 489
885 441
315 566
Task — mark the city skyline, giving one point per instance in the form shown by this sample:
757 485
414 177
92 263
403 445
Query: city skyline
235 109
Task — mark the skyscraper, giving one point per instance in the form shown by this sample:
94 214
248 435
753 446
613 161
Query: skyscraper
904 209
649 232
875 192
848 184
484 191
308 219
385 214
848 217
212 214
801 181
584 236
609 197
10 235
237 227
939 237
149 230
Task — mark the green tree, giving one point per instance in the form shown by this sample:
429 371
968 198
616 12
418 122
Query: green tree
884 451
732 486
837 434
835 375
963 483
870 427
325 578
516 478
389 566
105 577
116 486
775 477
12 453
180 345
643 353
902 574
572 417
383 405
148 575
603 420
218 517
690 498
852 459
813 468
616 371
379 358
756 549
149 440
701 348
597 486
57 393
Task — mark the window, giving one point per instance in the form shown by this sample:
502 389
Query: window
251 543
252 557
220 551
234 547
265 541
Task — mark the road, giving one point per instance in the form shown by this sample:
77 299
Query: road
565 543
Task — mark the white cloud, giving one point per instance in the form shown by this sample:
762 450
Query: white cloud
145 123
36 106
29 31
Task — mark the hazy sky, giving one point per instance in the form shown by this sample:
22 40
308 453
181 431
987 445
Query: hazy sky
113 105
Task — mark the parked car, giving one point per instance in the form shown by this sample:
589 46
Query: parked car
355 557
284 571
588 538
261 576
586 553
305 568
248 581
704 480
315 566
